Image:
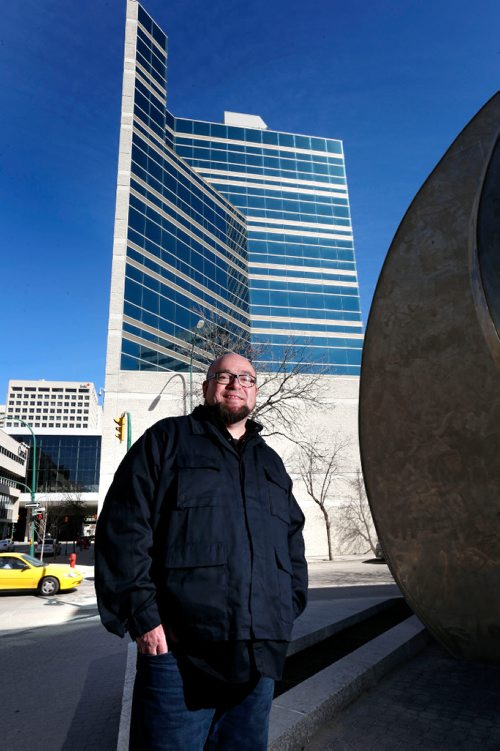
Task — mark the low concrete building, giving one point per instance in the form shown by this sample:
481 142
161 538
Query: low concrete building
13 460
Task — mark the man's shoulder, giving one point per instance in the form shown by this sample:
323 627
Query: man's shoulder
269 452
170 425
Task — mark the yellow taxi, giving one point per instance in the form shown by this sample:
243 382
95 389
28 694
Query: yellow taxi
22 571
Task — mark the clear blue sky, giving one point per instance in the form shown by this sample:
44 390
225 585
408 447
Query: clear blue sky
396 80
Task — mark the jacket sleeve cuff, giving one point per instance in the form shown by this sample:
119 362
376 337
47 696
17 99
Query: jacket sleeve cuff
145 620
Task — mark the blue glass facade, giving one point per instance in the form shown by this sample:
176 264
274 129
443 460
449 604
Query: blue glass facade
186 244
302 271
242 225
65 463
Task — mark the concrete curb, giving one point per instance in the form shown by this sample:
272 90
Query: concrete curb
128 689
300 712
316 624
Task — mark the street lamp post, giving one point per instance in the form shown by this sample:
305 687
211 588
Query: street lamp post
33 482
198 326
157 398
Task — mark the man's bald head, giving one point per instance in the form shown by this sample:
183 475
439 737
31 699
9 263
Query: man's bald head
233 399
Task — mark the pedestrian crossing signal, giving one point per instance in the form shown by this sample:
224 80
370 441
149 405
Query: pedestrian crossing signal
120 427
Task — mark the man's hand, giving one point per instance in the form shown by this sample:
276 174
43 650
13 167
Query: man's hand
153 642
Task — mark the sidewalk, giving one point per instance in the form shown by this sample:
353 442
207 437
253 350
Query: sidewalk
433 702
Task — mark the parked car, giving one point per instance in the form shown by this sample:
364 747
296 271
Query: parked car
50 547
379 553
22 571
6 546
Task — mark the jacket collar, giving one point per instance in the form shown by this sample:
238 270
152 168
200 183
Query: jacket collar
202 415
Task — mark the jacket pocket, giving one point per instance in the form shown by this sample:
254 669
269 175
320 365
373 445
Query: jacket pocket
196 582
193 555
285 573
199 485
277 488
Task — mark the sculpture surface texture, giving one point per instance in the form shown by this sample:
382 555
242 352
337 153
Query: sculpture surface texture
430 396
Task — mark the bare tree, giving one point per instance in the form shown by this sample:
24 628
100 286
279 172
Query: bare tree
65 517
354 520
320 463
287 392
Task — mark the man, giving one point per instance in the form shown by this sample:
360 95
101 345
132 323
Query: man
200 556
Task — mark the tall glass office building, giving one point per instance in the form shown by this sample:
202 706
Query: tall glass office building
186 249
302 275
230 223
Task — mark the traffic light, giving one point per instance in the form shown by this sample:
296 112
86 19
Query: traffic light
120 426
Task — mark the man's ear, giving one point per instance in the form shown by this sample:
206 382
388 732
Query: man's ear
204 386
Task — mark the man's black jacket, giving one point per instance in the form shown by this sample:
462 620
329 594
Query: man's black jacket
200 537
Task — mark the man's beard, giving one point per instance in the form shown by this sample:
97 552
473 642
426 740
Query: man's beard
229 416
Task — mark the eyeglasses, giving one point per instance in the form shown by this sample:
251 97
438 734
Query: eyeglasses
225 377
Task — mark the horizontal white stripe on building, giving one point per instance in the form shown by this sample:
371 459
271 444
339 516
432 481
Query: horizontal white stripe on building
310 269
298 231
263 146
292 223
294 319
278 188
270 179
308 333
302 280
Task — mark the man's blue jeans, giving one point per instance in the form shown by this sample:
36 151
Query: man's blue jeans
195 712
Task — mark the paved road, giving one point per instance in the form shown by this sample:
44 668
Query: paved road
61 687
27 610
61 672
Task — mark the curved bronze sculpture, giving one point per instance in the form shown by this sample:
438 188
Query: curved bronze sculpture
430 396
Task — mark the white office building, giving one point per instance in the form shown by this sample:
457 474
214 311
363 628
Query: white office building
52 404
